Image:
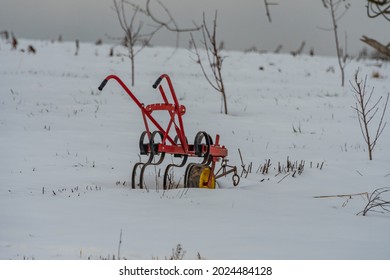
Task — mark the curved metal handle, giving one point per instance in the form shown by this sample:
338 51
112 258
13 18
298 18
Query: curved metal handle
157 82
103 84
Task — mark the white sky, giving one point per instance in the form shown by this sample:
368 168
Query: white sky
241 24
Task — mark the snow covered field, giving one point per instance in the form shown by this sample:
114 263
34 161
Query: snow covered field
67 151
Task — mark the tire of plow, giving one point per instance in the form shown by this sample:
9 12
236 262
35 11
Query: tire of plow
198 177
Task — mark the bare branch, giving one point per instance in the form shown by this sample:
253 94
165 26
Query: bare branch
201 64
267 4
375 201
373 115
299 50
377 8
170 24
366 112
214 58
381 126
336 15
175 27
134 35
385 50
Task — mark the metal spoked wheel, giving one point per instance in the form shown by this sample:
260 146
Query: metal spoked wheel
197 174
200 176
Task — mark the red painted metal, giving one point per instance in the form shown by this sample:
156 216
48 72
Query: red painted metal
175 111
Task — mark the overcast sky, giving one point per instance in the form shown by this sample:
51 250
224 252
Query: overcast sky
242 24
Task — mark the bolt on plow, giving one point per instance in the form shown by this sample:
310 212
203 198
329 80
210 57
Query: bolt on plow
155 142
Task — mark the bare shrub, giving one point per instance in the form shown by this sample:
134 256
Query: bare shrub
31 49
366 110
133 34
14 41
177 253
337 9
4 35
136 39
299 50
376 203
213 51
77 42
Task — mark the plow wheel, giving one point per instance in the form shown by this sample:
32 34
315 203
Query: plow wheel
200 176
155 158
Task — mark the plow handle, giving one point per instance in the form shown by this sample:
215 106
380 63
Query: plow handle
103 84
157 82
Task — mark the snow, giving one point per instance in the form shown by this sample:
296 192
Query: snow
67 151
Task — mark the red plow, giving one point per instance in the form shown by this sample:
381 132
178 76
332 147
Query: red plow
172 140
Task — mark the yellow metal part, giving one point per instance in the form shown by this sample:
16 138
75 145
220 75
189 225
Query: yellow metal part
201 177
204 178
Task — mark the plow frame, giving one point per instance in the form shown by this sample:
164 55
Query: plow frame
174 110
176 145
